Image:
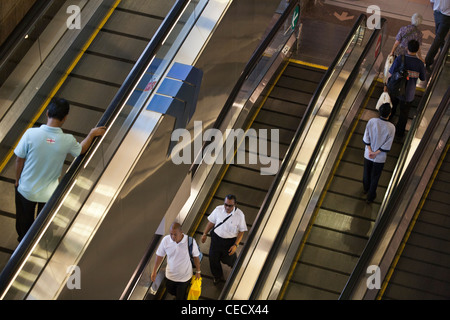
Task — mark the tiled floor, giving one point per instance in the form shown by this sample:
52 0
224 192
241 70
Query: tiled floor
399 9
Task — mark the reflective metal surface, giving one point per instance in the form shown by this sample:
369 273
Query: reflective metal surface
66 222
86 67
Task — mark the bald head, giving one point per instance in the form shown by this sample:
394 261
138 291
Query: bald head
176 234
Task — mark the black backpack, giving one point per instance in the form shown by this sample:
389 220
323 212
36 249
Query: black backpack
190 243
397 82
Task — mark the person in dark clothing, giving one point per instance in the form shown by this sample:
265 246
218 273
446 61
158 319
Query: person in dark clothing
416 70
441 9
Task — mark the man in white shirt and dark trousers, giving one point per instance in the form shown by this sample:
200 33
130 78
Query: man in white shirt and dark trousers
179 266
227 226
378 138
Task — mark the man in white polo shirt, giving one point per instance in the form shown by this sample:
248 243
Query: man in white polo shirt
378 138
41 153
179 266
227 226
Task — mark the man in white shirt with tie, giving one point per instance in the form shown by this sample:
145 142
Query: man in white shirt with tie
227 226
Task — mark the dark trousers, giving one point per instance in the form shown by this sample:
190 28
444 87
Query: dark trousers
372 174
442 23
404 107
178 289
25 212
218 252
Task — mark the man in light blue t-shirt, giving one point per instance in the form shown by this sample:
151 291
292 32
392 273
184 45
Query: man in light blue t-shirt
41 153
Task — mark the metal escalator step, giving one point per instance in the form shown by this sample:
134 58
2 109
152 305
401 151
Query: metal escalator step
336 240
356 225
295 83
246 177
328 280
303 292
329 259
277 119
285 107
359 207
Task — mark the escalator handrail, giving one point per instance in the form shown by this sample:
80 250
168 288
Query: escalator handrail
303 184
256 56
396 198
120 98
290 151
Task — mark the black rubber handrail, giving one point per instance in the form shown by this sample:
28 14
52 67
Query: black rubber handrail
119 99
303 184
290 151
396 197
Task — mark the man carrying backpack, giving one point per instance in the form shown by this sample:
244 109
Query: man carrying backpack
179 265
415 69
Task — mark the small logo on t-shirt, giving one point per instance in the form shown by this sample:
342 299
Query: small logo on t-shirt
51 141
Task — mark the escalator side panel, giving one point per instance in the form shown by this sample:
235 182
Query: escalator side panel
423 269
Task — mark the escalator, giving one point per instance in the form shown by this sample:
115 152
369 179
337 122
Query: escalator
295 95
343 221
89 87
283 110
121 170
406 256
422 270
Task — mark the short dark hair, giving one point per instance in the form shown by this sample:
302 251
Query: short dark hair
413 46
385 110
231 197
58 108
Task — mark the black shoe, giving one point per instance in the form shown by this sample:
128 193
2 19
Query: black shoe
216 281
